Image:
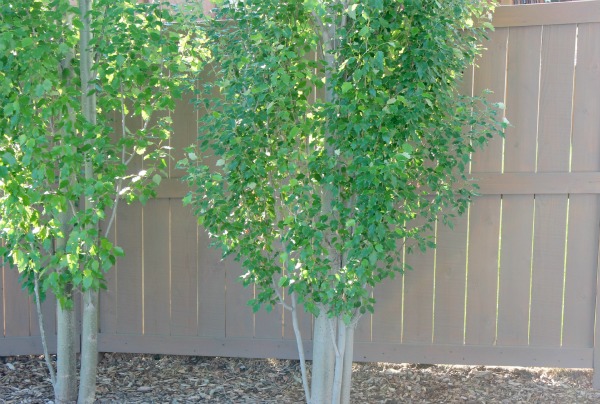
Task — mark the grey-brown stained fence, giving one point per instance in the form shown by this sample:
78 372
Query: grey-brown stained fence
514 283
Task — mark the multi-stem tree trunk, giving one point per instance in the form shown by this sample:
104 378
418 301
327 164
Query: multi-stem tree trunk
65 389
89 348
89 331
323 367
333 340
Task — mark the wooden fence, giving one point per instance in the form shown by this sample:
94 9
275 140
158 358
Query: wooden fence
515 282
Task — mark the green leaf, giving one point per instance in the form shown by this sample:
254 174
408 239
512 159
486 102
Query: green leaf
27 42
9 159
346 87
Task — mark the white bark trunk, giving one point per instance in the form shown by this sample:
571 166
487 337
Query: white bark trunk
89 348
343 364
347 368
65 390
40 316
323 361
300 349
339 362
89 342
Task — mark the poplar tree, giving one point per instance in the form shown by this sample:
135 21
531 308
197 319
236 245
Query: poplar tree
85 92
339 139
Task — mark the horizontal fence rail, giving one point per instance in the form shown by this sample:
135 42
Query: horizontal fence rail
513 283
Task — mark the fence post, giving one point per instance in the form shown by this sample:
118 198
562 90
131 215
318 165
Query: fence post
596 363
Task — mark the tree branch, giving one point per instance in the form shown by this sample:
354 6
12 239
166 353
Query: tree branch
300 348
281 301
40 317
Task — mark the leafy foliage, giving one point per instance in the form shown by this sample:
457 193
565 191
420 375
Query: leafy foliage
142 64
339 128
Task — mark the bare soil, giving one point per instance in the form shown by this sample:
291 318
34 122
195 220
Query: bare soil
128 378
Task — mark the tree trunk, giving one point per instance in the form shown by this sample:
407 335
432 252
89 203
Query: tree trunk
65 390
89 348
89 342
347 367
342 379
323 366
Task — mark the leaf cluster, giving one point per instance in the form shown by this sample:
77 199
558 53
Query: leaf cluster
340 139
142 63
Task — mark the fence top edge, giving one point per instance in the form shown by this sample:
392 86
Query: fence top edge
547 14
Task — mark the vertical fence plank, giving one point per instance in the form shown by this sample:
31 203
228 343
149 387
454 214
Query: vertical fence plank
484 212
548 270
184 270
584 210
387 318
211 289
269 325
522 91
108 297
16 306
484 230
580 279
556 94
185 132
417 307
2 323
157 277
239 320
515 270
554 138
129 270
586 119
364 328
490 75
450 275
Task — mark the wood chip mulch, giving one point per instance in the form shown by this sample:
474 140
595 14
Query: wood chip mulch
128 378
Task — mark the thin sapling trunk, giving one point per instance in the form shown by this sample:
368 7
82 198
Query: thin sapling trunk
89 332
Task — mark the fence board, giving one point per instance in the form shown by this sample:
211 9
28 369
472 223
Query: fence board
484 231
185 132
558 54
387 318
580 277
556 94
157 276
129 270
547 14
522 89
184 270
450 276
364 329
269 325
417 306
584 212
490 75
548 270
586 100
515 265
239 320
16 305
108 298
2 300
211 289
